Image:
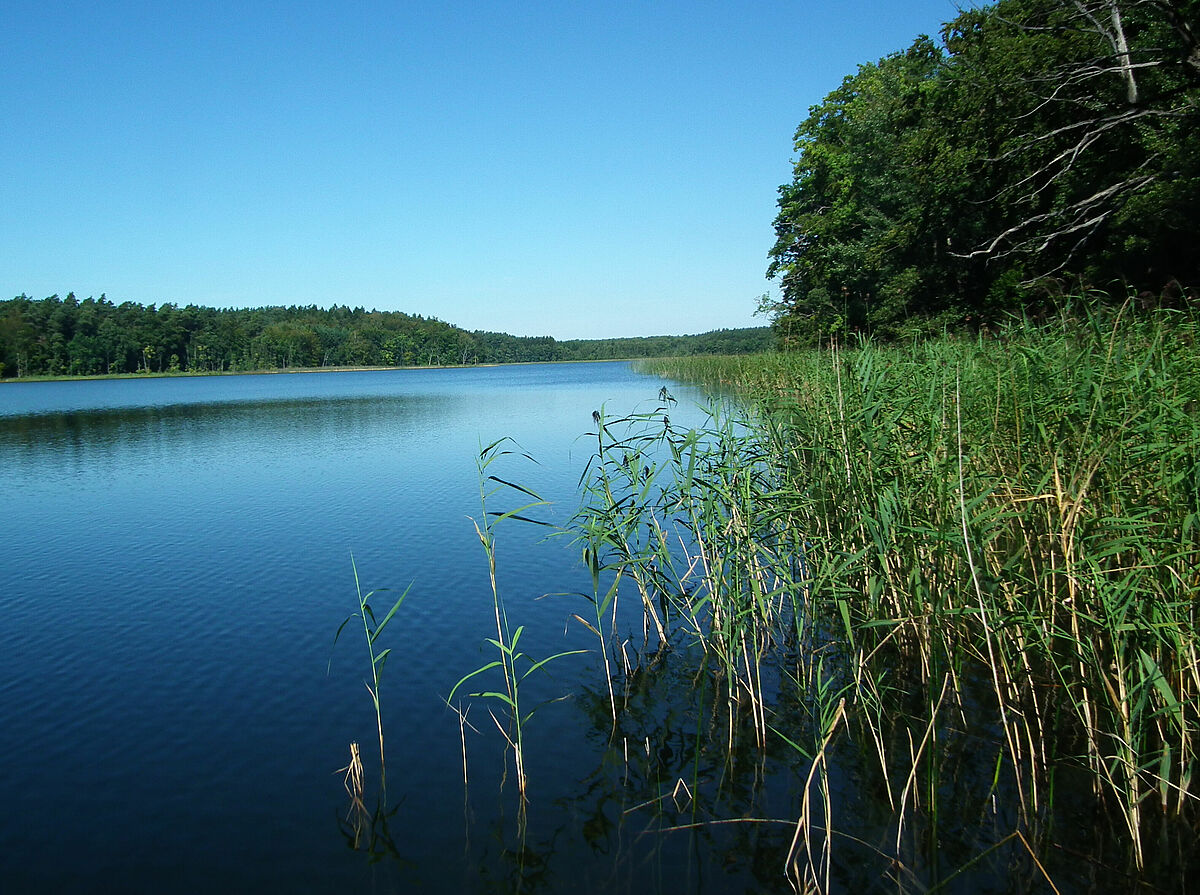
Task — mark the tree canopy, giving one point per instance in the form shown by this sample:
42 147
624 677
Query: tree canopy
1040 142
64 336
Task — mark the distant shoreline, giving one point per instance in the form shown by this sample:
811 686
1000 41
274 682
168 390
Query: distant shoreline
186 374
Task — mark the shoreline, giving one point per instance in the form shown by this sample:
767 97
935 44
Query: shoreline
184 374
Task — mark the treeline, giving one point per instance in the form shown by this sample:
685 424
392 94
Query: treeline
65 336
501 348
1043 145
721 341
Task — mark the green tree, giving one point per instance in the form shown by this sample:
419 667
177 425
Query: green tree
1044 138
1097 174
858 242
16 337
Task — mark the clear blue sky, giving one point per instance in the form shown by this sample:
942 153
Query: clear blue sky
581 170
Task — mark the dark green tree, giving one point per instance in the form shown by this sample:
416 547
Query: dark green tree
859 237
1043 142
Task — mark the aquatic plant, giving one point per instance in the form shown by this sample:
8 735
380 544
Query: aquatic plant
992 540
515 665
372 629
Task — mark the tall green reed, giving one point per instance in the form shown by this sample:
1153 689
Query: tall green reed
966 553
1020 508
515 666
372 630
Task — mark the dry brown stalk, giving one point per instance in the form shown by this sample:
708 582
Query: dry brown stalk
810 880
357 814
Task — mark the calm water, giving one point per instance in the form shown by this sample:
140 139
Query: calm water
176 559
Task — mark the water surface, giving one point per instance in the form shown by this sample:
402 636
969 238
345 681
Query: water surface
176 559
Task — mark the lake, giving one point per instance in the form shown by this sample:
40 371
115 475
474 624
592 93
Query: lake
179 555
176 559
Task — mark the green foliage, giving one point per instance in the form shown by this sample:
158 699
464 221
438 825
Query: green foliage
58 336
1041 138
66 337
719 341
1017 513
515 665
857 242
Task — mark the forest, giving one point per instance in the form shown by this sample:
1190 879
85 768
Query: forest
67 337
1041 147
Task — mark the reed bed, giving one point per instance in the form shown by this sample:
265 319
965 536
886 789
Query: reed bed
980 551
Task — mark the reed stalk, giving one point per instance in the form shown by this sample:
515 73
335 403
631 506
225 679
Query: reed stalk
515 665
372 630
1020 509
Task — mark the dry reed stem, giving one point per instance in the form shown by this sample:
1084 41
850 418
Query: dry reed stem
915 757
357 814
804 825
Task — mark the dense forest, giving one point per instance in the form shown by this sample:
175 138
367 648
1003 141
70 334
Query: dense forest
64 336
1041 146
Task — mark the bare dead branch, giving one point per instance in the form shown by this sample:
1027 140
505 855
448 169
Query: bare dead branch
1114 34
1084 216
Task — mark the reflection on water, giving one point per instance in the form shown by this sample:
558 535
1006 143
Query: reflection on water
176 560
69 443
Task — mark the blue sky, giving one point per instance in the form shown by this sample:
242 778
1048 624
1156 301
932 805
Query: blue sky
581 170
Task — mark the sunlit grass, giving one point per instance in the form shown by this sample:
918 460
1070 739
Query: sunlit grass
995 537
